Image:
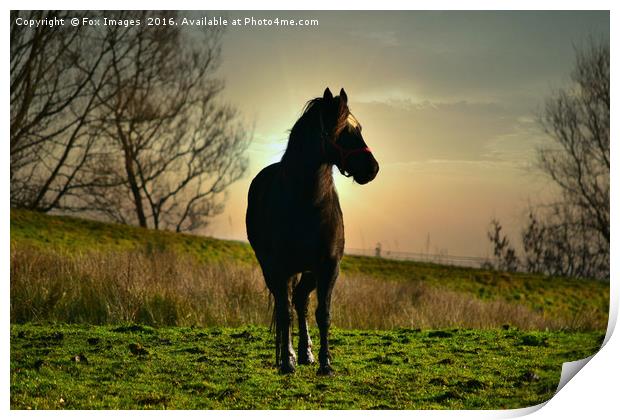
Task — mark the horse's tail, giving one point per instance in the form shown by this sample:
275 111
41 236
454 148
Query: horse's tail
272 306
274 328
278 342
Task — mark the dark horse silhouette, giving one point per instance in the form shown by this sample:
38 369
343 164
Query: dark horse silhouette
294 221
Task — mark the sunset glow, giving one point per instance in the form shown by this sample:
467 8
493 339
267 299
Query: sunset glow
448 102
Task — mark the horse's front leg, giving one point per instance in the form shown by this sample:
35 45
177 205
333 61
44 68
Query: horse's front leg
325 284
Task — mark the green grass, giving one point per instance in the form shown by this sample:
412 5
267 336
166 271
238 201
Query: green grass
551 297
75 234
223 368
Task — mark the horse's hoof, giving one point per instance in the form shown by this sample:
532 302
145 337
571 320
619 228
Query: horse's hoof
306 358
288 366
325 371
286 369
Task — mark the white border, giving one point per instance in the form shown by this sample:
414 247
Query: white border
592 393
313 5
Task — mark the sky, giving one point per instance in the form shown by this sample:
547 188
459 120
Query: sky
448 102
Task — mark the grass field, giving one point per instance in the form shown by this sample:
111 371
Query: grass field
111 316
132 366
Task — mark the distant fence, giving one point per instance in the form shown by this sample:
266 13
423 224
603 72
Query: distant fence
444 259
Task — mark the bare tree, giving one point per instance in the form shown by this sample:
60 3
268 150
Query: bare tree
169 148
570 236
577 121
574 232
55 79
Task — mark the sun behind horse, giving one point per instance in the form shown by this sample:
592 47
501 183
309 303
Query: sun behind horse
294 222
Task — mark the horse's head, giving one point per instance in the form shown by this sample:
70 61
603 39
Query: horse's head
343 143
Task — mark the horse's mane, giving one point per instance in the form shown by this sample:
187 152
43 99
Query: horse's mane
306 124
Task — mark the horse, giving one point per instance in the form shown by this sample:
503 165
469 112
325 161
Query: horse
294 221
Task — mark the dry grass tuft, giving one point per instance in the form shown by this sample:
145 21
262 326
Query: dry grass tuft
162 288
380 305
131 286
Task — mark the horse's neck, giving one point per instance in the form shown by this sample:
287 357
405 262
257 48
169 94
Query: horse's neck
312 183
322 185
305 171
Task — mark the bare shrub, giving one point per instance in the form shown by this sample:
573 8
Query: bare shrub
505 254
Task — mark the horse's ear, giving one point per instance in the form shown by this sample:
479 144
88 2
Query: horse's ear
343 96
327 95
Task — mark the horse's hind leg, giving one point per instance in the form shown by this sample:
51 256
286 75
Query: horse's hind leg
284 315
301 293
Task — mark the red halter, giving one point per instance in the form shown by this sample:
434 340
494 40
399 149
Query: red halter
343 153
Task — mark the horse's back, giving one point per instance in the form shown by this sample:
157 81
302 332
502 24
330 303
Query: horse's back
261 182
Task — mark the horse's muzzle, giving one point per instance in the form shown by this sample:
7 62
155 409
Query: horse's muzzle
368 175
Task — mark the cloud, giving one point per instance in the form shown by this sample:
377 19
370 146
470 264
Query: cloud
382 38
410 131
